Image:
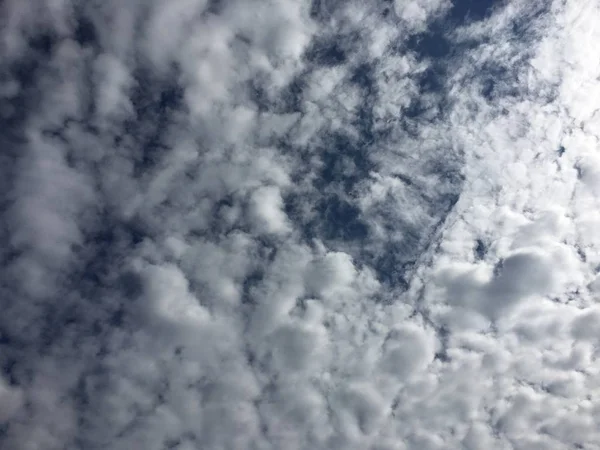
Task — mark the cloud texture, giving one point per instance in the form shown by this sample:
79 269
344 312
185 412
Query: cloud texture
276 224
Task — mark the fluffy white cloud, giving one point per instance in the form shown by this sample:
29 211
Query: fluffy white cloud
407 351
266 210
11 401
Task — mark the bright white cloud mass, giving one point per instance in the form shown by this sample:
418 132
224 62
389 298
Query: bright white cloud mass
284 224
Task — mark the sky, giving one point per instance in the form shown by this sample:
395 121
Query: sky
294 225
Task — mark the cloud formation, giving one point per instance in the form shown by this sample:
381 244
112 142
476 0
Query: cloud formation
278 224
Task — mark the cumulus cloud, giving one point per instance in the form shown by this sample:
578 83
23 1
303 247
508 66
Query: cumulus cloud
303 225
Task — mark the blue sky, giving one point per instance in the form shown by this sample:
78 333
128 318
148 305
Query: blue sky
276 224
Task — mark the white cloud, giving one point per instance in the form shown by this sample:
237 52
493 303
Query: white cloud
298 347
331 274
169 299
407 351
113 81
11 400
266 210
415 15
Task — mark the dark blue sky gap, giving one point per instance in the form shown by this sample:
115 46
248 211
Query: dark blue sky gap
338 220
464 11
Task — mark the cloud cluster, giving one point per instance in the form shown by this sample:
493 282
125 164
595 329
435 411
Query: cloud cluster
276 224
